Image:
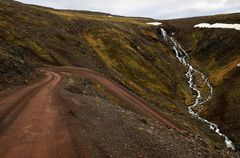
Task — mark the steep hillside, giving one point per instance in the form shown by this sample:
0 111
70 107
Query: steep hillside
125 49
217 53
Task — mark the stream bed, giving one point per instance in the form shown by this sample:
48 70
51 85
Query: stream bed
183 57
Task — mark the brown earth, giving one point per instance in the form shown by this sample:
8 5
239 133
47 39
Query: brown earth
45 120
139 105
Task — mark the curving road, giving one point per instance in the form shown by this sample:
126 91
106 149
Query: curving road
35 128
30 122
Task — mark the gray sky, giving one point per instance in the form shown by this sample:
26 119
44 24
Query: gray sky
160 9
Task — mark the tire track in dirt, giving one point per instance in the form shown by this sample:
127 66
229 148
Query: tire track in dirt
38 130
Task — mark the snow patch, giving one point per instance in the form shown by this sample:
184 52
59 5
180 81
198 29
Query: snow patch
110 16
154 23
218 25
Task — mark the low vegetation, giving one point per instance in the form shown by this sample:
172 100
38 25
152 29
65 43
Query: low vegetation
128 51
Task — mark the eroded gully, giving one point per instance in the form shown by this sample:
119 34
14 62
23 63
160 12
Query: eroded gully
183 57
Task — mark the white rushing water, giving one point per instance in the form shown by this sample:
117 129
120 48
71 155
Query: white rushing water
199 101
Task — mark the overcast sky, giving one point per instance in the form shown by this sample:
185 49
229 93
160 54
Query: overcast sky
160 9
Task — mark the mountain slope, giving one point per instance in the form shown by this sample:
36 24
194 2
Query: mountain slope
126 50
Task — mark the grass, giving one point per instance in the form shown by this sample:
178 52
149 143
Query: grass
218 76
39 51
195 39
100 49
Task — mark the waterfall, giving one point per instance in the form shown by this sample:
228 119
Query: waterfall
183 57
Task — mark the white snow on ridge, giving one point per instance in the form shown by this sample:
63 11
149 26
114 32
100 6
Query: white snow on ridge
218 25
154 23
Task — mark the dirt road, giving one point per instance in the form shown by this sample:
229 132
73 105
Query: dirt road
36 130
31 125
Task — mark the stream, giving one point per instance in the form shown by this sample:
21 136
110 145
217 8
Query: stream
183 57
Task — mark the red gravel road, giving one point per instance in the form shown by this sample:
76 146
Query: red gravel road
36 130
30 123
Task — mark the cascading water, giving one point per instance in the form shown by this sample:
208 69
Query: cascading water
184 59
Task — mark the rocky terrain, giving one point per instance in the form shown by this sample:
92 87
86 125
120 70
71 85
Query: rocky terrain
135 56
216 53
